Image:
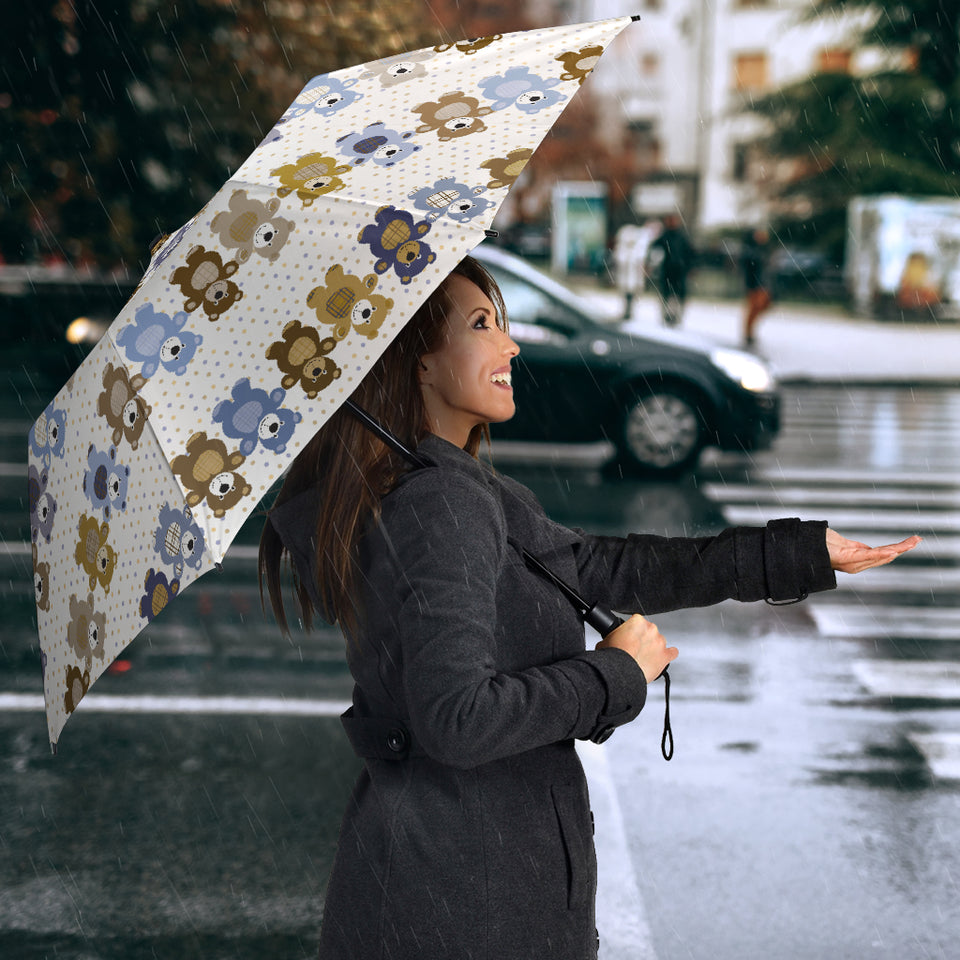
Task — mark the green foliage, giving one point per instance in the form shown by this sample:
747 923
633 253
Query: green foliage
895 130
120 118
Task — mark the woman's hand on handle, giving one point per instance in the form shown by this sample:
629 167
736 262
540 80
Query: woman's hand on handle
644 642
850 556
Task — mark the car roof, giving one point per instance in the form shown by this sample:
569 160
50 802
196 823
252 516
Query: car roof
684 340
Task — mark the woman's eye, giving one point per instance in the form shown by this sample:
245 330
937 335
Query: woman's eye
480 323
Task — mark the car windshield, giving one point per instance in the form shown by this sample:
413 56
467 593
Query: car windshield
529 306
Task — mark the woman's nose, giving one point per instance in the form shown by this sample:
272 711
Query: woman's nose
510 347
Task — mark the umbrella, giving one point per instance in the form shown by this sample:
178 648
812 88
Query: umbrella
258 318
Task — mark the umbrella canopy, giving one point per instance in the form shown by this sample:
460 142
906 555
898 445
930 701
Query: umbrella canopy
259 317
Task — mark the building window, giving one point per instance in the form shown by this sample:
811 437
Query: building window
650 64
834 60
750 72
651 5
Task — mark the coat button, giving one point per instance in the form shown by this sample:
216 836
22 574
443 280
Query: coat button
397 739
603 734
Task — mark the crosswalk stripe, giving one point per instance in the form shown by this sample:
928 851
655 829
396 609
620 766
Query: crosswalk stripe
910 679
109 703
835 476
883 621
941 750
829 496
922 522
901 579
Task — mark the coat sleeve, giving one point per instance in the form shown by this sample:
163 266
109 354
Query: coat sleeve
448 540
782 562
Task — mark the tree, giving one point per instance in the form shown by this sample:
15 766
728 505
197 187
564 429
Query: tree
120 118
894 129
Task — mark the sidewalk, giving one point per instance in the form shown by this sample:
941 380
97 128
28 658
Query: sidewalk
809 342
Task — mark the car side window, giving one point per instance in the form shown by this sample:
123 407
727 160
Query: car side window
535 317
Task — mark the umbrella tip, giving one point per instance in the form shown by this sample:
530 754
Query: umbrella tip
53 747
492 234
635 17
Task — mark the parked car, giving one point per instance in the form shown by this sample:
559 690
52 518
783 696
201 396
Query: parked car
659 397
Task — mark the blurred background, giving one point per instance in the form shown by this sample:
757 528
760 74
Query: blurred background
812 807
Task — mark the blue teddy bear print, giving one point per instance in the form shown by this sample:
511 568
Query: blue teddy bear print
454 200
324 95
254 416
105 481
179 539
520 88
378 143
48 434
156 339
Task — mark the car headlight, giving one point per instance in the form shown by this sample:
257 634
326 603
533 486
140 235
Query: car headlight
751 373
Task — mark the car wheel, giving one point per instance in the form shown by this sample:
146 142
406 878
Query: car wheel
661 432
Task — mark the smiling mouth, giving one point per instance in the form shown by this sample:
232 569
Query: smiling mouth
501 380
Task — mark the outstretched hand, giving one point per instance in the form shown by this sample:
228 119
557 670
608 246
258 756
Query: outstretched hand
850 556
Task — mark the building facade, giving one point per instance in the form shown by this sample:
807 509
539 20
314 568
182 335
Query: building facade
680 80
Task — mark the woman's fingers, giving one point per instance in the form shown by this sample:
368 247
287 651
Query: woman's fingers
851 556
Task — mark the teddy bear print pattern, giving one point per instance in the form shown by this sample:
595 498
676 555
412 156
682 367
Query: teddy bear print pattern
255 320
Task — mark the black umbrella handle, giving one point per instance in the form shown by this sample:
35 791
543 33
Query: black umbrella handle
605 621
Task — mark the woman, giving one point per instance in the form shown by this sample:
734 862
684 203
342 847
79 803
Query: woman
469 833
754 263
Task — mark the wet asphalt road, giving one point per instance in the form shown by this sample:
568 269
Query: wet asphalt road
806 814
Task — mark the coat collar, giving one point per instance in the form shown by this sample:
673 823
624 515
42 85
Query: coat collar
525 516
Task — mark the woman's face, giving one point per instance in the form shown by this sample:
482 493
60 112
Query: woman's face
466 381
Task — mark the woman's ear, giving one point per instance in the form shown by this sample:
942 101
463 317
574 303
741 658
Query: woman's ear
425 371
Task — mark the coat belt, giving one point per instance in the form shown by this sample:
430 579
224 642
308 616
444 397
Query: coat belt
380 738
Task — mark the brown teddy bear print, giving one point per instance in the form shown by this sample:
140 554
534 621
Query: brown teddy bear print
122 406
311 176
208 472
347 302
86 631
203 281
505 170
94 554
251 226
577 64
302 357
41 581
399 68
469 46
453 115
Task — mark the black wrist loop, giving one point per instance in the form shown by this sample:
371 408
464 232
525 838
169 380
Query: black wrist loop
666 741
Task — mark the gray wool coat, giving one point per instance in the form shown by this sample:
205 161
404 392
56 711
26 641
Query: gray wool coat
468 835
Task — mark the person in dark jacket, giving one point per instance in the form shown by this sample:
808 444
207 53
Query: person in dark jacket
468 833
754 260
676 256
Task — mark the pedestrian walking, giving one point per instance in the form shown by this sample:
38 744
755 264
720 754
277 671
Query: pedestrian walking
469 832
629 258
676 254
754 261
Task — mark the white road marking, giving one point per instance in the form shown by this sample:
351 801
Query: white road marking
846 518
830 497
902 623
910 679
148 703
941 751
621 915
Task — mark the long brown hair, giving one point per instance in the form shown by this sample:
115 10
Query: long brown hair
352 469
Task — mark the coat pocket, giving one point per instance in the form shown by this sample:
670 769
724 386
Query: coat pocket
573 815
